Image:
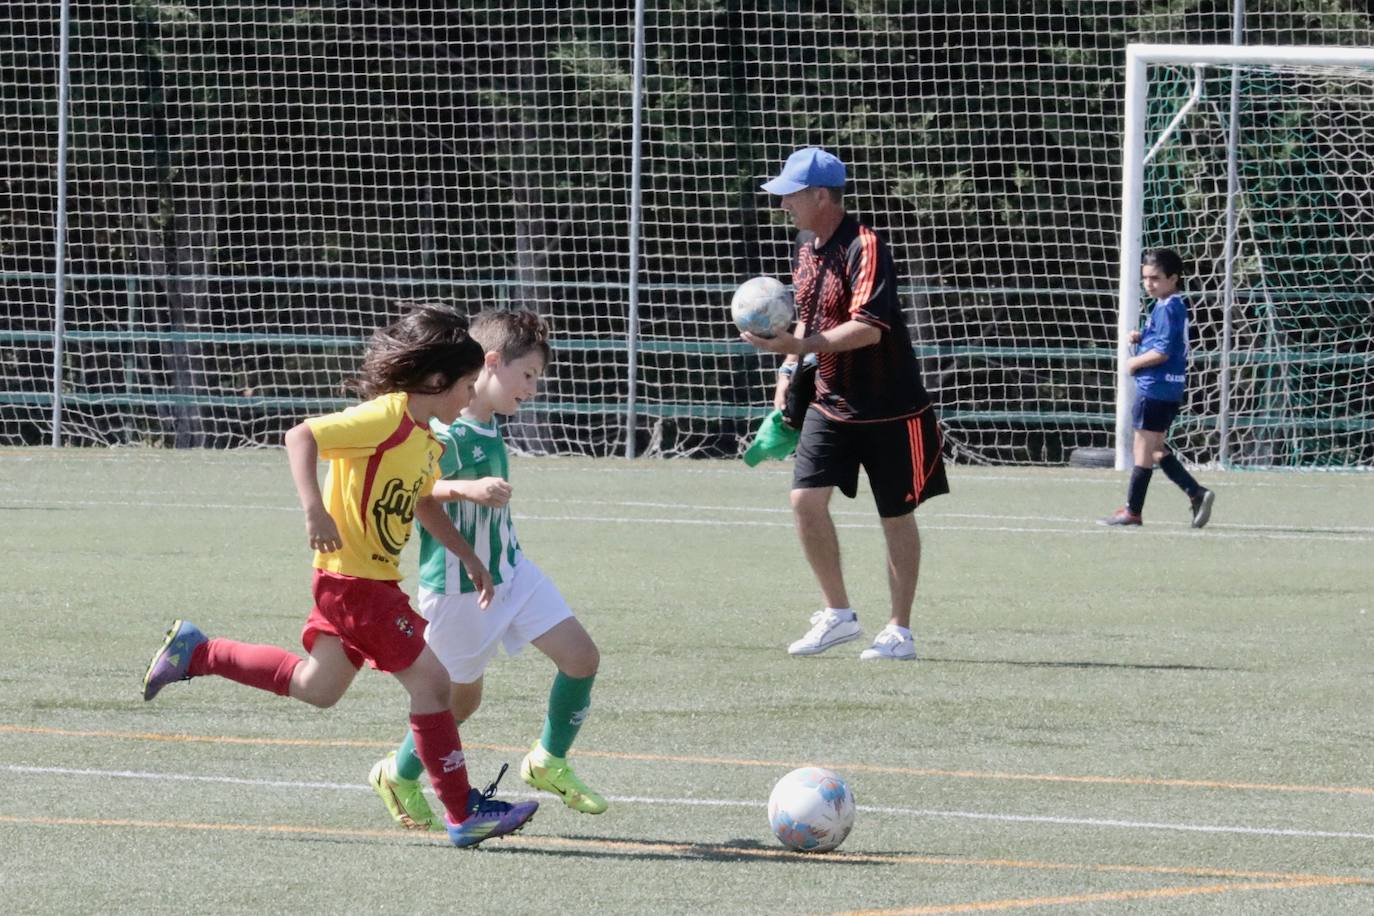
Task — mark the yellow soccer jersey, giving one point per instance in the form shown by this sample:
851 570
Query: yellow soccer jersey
380 462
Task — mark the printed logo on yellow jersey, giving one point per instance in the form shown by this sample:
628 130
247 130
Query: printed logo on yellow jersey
393 513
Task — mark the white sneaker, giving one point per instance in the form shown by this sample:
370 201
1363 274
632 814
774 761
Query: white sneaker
891 644
827 629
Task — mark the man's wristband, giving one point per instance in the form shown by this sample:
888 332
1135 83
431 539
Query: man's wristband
786 369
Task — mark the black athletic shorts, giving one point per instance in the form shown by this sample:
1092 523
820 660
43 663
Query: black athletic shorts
901 457
1153 415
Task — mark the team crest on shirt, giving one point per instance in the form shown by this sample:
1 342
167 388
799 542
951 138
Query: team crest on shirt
406 627
478 453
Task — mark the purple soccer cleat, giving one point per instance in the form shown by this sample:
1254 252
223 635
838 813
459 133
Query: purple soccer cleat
171 662
488 817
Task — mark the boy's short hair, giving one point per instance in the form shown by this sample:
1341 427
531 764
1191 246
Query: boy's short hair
1166 259
512 333
430 339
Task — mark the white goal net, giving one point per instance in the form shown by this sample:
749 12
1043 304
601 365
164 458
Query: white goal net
1257 165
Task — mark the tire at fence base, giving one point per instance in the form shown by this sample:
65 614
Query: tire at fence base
1092 458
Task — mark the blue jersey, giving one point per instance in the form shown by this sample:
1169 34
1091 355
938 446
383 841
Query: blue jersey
1166 331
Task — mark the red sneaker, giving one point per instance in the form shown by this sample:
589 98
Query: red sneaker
1120 518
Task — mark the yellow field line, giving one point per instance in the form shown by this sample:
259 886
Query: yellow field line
194 825
1240 879
991 906
726 761
1251 878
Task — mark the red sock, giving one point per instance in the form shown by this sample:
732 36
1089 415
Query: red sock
263 667
439 748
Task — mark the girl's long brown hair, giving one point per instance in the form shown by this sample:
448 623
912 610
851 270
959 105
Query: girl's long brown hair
431 339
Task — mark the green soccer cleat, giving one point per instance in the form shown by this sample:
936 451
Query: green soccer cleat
554 775
404 798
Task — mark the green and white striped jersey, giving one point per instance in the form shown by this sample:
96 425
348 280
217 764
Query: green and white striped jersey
471 451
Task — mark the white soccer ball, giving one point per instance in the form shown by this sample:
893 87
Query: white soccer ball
811 810
762 306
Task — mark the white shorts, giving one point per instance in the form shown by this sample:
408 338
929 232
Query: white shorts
466 637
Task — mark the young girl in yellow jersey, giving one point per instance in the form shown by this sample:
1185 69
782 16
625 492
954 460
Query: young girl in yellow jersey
465 632
382 466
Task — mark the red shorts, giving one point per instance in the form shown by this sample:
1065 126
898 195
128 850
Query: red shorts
372 617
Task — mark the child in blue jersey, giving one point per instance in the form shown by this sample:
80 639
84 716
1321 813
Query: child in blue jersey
527 608
1160 369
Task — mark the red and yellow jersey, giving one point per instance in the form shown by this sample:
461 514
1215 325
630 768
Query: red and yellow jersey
380 462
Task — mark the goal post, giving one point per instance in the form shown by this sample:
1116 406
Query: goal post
1257 164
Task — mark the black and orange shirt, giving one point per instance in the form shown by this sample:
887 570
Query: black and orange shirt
380 463
852 276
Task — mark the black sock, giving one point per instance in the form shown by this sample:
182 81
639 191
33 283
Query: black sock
1135 494
1176 472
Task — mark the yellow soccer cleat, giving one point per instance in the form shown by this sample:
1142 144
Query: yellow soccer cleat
547 773
404 799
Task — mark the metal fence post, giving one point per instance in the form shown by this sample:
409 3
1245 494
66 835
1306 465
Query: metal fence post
60 218
636 200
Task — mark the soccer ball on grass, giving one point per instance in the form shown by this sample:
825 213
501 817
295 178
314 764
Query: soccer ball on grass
762 306
811 810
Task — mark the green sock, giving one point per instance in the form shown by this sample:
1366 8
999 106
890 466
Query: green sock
569 702
408 763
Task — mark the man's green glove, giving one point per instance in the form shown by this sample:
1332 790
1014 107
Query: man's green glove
775 439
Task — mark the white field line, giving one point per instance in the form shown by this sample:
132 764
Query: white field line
1343 479
898 812
932 522
1089 529
929 515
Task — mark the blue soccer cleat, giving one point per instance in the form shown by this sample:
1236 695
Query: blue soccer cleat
171 662
489 817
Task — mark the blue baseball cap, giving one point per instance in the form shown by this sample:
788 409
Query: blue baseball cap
811 167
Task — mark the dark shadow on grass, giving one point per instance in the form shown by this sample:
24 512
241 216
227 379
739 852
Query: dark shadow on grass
1128 666
737 850
733 851
42 509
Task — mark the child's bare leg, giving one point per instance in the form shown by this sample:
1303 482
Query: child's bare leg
570 647
464 700
1147 446
323 678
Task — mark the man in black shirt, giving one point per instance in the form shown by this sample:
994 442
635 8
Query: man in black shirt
870 409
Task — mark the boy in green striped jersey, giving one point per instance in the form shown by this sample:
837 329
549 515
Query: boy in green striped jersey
527 608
